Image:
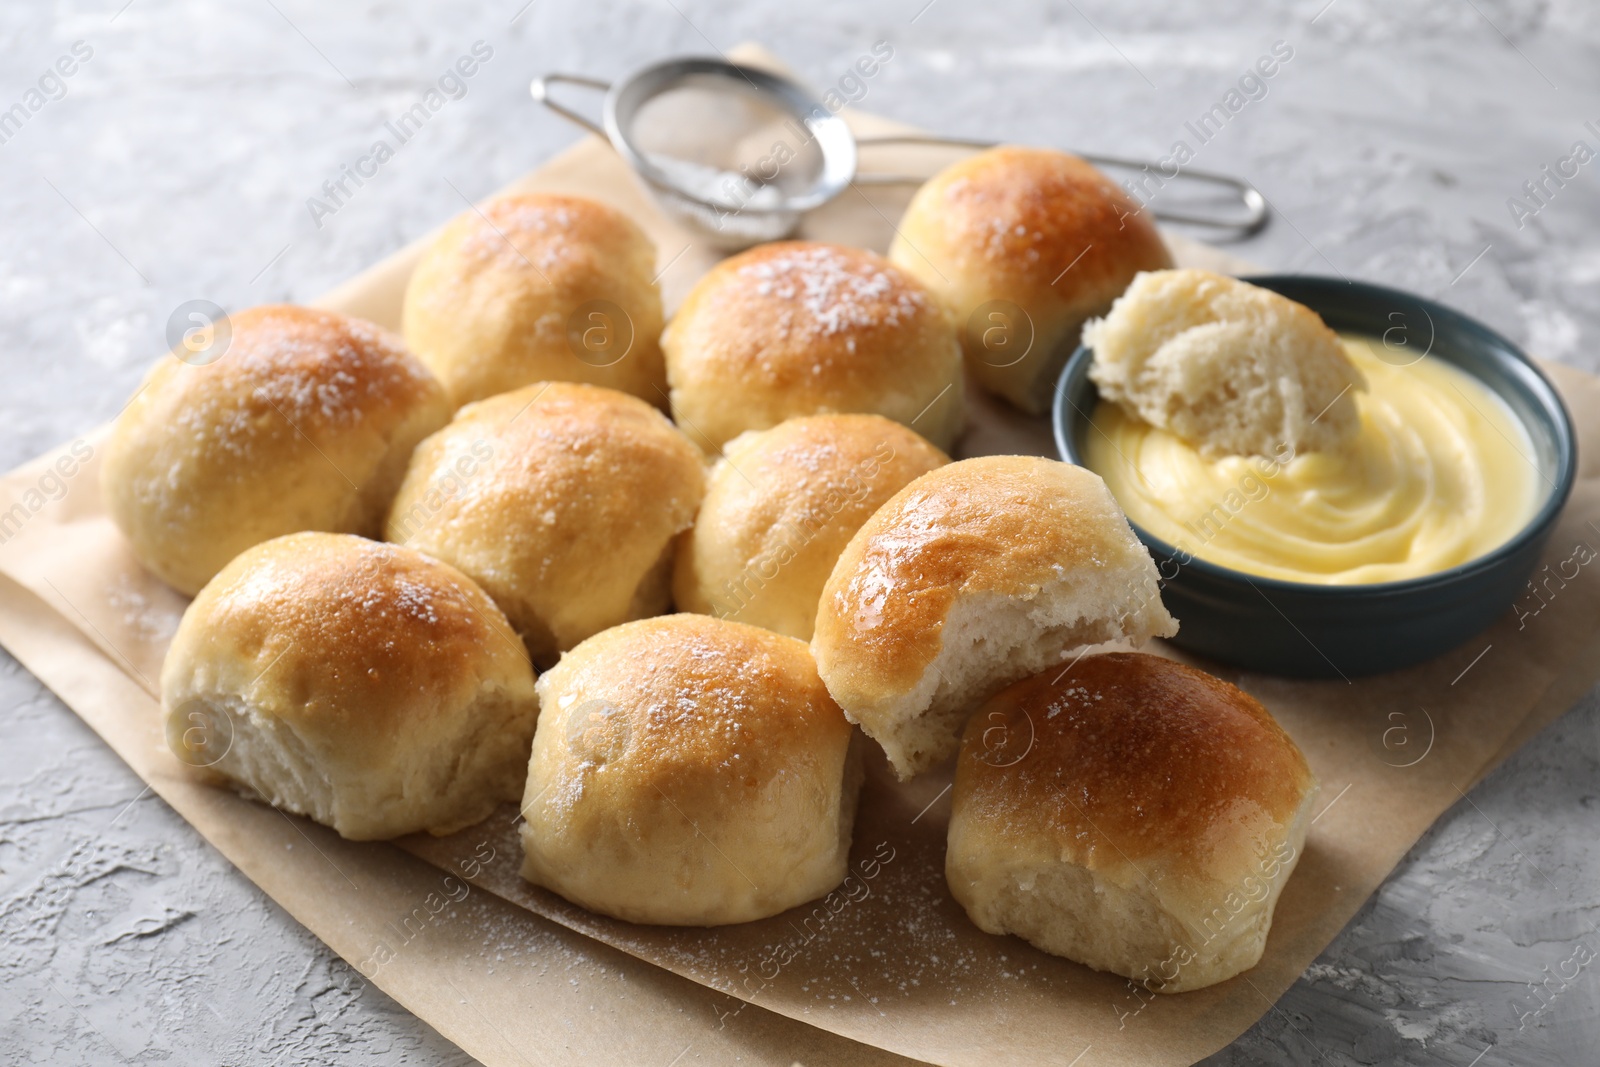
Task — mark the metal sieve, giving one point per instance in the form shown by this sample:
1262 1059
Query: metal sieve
739 154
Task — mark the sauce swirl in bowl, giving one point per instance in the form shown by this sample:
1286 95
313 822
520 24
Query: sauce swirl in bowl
1440 473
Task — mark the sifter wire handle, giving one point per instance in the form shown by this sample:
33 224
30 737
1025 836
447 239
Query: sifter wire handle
1255 204
540 91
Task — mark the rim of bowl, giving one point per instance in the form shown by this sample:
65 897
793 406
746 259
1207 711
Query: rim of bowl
1552 407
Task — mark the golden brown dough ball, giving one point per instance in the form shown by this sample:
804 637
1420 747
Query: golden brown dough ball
1132 814
805 328
374 689
973 576
1023 245
779 508
562 500
539 288
691 771
305 422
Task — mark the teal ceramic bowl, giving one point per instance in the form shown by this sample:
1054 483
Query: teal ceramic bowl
1342 631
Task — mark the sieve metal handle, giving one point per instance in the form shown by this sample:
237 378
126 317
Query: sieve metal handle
540 91
1255 204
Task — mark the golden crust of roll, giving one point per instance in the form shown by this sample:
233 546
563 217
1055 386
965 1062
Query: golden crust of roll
538 287
805 328
374 689
779 508
690 771
1131 813
975 575
1031 229
561 500
306 422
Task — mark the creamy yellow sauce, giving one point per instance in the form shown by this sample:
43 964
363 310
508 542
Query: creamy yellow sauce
1440 473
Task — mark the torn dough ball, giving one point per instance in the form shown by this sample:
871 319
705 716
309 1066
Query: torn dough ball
1230 367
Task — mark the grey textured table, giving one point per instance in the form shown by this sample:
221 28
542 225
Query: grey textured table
177 163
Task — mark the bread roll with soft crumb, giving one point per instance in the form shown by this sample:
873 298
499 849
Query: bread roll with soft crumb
779 508
1230 367
804 328
1132 814
562 500
1024 244
305 422
689 771
364 685
971 577
538 287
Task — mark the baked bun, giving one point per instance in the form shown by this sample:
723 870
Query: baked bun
538 288
305 422
367 686
1230 367
971 577
1136 815
1023 245
688 771
561 500
802 328
779 508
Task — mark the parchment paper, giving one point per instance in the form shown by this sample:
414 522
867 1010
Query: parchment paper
889 960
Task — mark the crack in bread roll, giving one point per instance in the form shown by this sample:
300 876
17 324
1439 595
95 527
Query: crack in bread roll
1023 245
779 508
689 771
804 328
538 288
364 685
1230 367
305 422
971 577
1133 814
562 500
